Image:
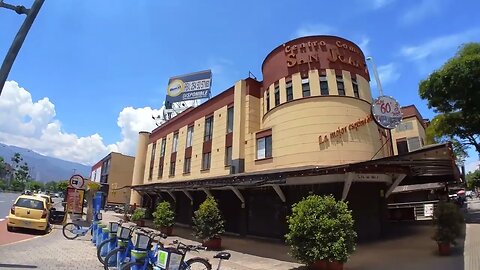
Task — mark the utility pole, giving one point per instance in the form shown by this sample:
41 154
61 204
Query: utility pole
19 38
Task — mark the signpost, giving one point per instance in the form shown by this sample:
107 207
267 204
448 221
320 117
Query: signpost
386 112
75 194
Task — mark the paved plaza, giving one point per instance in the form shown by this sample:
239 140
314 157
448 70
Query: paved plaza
407 247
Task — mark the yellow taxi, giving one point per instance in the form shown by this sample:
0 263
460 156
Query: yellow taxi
48 200
28 212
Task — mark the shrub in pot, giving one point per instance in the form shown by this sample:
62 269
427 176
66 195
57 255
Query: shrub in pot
321 232
138 216
208 224
163 218
448 226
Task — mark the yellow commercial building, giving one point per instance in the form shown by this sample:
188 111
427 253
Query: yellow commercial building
260 146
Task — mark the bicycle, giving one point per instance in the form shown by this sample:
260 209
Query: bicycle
109 244
122 253
76 229
165 258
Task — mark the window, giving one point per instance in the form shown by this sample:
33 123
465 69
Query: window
160 168
189 136
186 165
175 142
404 126
162 147
267 100
172 169
277 96
355 88
289 91
340 86
208 129
228 156
305 88
324 86
402 146
230 120
150 173
206 160
264 147
413 144
154 148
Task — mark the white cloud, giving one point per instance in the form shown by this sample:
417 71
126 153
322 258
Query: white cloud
314 29
388 73
32 124
363 44
433 53
421 10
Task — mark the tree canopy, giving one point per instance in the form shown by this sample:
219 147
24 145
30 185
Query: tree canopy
473 179
453 91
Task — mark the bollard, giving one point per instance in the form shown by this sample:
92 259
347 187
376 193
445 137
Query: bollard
94 231
99 234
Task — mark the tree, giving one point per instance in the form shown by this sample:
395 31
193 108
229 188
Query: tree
62 186
473 179
35 185
51 186
3 167
3 185
435 134
18 185
22 172
453 92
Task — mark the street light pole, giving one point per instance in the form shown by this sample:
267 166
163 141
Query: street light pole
375 73
19 38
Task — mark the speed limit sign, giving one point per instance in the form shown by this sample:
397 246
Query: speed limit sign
77 181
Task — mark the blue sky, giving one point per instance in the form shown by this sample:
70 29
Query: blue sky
93 71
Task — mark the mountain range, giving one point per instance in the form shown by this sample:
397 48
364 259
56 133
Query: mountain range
44 168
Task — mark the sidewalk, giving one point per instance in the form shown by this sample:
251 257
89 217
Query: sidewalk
472 239
408 247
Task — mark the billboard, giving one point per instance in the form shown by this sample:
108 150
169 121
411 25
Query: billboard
188 87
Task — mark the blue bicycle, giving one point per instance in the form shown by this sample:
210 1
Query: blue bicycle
73 230
161 258
121 254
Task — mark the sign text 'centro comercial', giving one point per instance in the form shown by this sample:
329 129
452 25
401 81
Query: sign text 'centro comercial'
189 87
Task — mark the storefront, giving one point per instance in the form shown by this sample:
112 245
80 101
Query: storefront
258 147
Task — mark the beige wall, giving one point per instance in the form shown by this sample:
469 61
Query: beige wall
139 165
297 125
120 176
418 130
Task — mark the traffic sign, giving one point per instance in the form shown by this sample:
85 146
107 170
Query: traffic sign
77 181
386 112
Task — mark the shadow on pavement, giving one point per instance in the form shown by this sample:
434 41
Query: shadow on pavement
19 266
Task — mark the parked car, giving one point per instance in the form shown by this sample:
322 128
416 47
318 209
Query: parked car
48 200
29 212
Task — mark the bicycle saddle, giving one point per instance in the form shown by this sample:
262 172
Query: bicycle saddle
222 256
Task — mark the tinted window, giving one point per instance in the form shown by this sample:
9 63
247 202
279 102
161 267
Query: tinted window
30 203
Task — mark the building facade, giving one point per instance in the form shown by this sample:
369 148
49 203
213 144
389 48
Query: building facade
259 147
409 135
114 172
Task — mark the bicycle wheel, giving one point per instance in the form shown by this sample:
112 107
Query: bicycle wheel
129 266
99 249
113 255
68 230
198 264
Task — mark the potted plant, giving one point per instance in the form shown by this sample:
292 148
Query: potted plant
163 217
208 224
448 226
138 217
321 232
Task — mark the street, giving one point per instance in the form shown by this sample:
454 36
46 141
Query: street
6 201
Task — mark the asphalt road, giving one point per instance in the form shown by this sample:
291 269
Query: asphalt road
6 201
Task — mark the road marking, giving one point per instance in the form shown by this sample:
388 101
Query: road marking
2 201
28 239
2 219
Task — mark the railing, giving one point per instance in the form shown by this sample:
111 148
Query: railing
422 210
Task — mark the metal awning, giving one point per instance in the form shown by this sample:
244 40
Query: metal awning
434 160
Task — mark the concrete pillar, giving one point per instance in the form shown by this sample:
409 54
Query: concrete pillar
139 166
238 141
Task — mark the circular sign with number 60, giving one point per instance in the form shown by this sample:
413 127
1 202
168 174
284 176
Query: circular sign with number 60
386 112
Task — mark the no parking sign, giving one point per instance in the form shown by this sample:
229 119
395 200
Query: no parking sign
77 181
